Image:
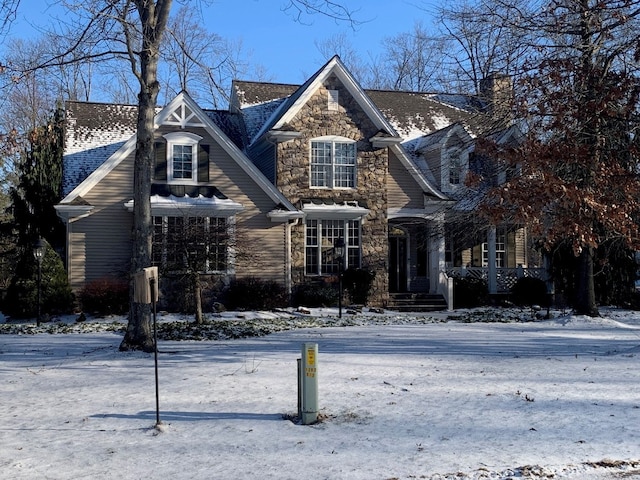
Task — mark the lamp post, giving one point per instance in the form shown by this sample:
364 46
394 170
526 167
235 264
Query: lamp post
339 250
39 248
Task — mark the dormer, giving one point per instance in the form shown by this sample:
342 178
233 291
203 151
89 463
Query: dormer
181 158
446 152
506 138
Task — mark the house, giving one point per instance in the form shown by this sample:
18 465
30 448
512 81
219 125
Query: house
268 187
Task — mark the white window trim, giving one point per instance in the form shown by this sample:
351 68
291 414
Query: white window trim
183 139
333 139
319 246
449 154
501 253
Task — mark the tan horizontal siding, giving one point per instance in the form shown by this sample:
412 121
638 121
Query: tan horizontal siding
260 241
521 247
403 190
107 232
101 243
77 273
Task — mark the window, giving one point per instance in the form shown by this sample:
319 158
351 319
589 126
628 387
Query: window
182 156
501 249
321 236
507 172
455 163
199 243
455 170
333 163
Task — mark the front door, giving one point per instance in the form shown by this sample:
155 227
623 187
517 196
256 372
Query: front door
397 260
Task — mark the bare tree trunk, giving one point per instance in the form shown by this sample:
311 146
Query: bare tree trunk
197 296
585 291
139 335
153 18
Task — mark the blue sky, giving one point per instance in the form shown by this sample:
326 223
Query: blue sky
286 49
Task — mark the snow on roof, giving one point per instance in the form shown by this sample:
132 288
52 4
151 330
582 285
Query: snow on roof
200 205
93 133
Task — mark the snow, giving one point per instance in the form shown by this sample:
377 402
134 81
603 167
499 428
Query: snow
484 395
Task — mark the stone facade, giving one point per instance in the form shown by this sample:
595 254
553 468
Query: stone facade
293 179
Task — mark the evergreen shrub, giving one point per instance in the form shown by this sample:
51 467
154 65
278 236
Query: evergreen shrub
105 296
470 292
358 282
22 295
255 294
529 291
315 294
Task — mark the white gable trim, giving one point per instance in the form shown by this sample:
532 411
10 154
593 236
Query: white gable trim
417 175
198 119
102 171
336 67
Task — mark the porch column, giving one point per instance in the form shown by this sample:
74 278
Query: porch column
491 248
436 253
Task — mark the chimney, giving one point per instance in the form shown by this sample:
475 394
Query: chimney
496 91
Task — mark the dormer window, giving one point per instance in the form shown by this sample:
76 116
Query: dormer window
455 166
455 171
333 162
507 172
182 157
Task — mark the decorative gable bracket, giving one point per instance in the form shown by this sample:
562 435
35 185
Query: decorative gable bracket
282 135
383 140
182 116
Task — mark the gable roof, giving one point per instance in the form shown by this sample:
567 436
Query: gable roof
409 114
181 111
290 107
401 117
93 132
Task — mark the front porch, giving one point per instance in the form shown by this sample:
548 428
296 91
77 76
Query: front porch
425 257
499 280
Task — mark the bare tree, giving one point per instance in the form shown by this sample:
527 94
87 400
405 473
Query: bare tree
482 37
413 60
8 12
199 62
339 44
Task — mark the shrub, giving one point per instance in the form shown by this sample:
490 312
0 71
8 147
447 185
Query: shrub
175 294
469 292
357 282
255 294
105 296
529 291
313 294
56 296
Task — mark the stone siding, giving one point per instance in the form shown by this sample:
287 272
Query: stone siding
293 179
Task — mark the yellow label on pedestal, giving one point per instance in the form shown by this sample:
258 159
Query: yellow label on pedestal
311 356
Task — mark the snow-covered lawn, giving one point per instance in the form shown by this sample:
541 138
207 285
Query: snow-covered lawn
401 397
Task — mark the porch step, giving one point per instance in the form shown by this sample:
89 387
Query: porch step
416 302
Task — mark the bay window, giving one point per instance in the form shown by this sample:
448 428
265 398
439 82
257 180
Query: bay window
320 238
195 243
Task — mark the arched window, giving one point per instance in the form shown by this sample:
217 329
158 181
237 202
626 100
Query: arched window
182 156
